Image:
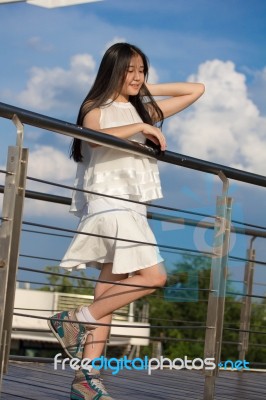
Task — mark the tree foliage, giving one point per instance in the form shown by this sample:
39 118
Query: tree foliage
65 283
182 306
178 312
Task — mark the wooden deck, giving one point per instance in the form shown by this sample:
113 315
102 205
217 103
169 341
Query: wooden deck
34 381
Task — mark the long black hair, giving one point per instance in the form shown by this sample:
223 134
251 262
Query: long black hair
109 80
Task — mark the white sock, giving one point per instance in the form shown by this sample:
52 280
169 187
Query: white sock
88 368
84 315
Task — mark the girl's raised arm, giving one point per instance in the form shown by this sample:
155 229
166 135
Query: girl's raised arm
180 95
92 121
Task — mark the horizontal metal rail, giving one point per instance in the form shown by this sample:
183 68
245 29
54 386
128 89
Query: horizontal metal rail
180 289
111 282
51 360
200 323
106 324
151 215
138 326
72 130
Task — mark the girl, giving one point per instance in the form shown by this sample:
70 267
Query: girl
120 103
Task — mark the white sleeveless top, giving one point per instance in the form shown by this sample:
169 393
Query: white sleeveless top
113 171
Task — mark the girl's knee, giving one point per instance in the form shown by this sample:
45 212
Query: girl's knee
161 275
158 277
161 279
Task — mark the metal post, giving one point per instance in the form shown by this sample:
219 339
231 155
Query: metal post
11 185
246 303
216 301
9 239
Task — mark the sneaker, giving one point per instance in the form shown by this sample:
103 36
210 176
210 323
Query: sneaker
88 386
71 335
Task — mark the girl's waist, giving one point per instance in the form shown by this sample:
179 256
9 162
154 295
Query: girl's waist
98 204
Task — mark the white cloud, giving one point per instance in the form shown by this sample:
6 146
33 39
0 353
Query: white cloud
36 43
257 89
57 88
224 126
50 164
61 91
153 76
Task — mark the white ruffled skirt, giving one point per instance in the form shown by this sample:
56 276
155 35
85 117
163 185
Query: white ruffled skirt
113 231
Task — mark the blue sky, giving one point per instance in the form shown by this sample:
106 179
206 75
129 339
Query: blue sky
49 59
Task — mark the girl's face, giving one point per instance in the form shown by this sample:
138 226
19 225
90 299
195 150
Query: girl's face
134 79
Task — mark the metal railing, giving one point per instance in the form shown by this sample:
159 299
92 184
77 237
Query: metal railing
14 193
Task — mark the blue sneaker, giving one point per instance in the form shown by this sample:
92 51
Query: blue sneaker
88 386
71 335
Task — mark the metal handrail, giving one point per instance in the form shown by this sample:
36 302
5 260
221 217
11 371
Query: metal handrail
72 130
222 226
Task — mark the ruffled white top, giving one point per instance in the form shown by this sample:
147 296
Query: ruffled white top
114 230
112 171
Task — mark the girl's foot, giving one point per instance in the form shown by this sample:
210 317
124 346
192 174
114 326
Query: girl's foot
71 335
88 386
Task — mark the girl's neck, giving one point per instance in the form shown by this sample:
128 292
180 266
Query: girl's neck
121 98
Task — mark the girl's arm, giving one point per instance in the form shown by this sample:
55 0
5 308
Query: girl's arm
92 121
180 95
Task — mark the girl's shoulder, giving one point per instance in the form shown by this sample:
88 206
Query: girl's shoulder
92 118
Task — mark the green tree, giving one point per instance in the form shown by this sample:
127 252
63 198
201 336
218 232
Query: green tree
66 283
180 305
181 308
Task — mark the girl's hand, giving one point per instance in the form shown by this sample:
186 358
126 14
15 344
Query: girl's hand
92 121
155 135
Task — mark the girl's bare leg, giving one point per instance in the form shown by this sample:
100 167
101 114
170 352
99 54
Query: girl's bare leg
100 334
118 296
